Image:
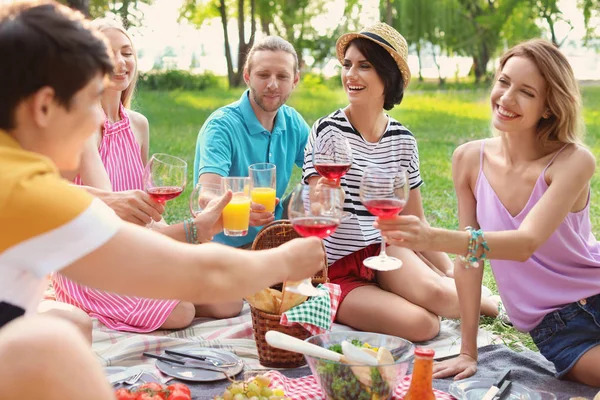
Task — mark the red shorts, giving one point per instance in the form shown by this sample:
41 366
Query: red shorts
350 273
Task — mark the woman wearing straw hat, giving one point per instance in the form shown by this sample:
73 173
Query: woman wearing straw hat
405 302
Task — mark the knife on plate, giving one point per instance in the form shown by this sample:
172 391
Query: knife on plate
495 389
186 364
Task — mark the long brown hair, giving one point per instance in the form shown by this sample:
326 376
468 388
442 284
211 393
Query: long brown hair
565 123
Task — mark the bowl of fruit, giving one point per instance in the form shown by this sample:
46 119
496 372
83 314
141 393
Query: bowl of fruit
387 361
258 387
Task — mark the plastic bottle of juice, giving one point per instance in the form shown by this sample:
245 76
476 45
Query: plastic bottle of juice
422 376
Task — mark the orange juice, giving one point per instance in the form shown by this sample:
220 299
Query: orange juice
265 196
236 216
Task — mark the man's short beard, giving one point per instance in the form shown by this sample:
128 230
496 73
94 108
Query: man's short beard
260 103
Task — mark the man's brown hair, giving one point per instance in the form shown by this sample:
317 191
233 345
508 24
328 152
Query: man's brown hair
46 44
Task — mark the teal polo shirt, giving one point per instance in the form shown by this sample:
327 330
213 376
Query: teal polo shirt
232 139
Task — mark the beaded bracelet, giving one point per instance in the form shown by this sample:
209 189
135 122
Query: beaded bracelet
476 241
194 233
186 230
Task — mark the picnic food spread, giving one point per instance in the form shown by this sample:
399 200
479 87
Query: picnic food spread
253 389
155 391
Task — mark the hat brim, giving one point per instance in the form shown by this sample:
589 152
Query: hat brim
342 44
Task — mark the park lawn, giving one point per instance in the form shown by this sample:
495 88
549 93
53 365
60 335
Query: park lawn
440 120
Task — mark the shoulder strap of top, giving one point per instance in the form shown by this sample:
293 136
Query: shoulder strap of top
481 155
556 155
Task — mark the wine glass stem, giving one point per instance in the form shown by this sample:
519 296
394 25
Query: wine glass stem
382 253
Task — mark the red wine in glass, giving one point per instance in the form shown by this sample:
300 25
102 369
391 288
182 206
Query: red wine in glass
314 211
333 171
164 193
384 207
320 227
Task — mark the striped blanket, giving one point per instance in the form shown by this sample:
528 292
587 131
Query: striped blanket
115 348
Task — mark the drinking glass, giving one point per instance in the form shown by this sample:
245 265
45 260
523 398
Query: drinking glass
384 192
332 156
164 178
203 194
263 185
236 214
314 211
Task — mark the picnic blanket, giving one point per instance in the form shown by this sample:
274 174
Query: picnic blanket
115 348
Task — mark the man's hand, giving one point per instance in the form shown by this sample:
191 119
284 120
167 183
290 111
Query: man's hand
462 366
259 215
304 257
210 221
133 206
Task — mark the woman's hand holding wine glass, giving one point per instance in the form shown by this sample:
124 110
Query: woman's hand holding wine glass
164 178
384 192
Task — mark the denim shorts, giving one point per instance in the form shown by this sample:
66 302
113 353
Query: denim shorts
565 335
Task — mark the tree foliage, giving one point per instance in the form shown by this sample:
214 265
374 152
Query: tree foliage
127 10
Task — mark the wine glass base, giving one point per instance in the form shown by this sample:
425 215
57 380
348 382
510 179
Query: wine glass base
305 289
382 263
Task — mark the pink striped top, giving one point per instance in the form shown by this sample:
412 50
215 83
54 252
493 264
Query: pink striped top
121 155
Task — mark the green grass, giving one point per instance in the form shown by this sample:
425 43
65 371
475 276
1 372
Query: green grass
440 120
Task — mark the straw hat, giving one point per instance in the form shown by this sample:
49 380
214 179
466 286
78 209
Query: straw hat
385 36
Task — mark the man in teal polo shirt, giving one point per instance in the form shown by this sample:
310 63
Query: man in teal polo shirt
258 128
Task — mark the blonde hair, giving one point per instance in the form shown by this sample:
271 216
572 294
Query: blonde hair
272 43
104 24
563 99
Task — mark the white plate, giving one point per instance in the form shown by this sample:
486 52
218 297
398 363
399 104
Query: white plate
476 388
201 375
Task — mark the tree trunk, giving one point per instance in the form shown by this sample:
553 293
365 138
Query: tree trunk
437 65
388 12
124 13
265 25
484 58
230 74
419 58
80 5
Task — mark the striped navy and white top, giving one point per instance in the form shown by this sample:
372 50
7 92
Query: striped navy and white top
396 146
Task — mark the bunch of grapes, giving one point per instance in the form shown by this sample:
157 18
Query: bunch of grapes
256 388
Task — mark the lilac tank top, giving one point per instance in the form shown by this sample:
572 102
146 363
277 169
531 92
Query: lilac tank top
565 269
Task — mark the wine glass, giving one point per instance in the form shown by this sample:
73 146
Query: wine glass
314 211
164 178
384 192
332 157
202 195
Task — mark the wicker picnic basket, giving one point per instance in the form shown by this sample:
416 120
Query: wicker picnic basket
273 235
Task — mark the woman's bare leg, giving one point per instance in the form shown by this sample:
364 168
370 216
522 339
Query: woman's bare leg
185 312
419 284
45 357
369 308
219 311
587 369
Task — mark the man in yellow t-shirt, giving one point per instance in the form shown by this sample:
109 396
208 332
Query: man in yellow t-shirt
51 78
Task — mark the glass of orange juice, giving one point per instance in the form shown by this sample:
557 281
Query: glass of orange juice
236 215
263 184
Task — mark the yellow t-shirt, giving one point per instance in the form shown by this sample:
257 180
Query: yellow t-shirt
45 225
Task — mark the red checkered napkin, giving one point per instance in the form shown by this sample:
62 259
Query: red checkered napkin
306 388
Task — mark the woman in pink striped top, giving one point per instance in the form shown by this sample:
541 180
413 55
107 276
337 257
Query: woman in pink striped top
115 160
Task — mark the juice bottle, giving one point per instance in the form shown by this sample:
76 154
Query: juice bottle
422 376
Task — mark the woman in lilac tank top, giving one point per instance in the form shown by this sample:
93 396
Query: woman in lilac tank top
525 194
115 160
